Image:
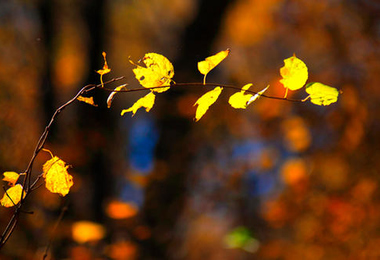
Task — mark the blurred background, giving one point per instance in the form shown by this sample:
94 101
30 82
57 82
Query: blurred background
279 180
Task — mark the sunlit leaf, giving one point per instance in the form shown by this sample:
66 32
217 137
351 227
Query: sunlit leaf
256 96
105 69
241 238
121 210
240 99
113 93
12 196
205 101
321 94
294 73
211 62
57 179
11 177
85 231
87 100
146 101
159 71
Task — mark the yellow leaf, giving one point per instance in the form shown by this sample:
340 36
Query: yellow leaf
294 73
11 177
105 69
205 101
14 193
57 179
146 101
88 100
159 71
211 62
321 94
85 231
240 99
113 93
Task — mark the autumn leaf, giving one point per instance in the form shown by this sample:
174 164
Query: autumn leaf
211 62
321 94
294 74
105 69
12 196
57 179
11 177
146 101
113 93
257 95
205 101
87 100
159 71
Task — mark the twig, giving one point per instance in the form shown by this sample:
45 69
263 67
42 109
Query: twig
63 211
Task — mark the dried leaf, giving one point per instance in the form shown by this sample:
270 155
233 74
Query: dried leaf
113 93
146 101
57 179
88 100
294 73
14 193
256 96
11 177
105 69
205 101
159 71
321 94
211 62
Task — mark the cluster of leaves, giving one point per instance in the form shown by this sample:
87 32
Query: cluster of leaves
156 76
154 72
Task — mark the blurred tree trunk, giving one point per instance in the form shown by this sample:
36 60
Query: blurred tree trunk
165 197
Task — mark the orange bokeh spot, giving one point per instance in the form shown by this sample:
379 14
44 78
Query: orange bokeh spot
121 210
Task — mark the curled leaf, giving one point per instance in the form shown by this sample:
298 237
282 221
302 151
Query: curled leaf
87 100
159 71
321 94
294 73
12 196
146 101
113 93
256 96
11 177
57 179
205 101
211 62
105 69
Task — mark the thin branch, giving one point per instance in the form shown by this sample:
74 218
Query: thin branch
197 84
63 211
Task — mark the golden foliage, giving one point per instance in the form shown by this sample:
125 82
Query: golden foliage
321 94
146 101
57 179
205 101
211 62
11 177
159 71
87 100
294 73
113 93
12 196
